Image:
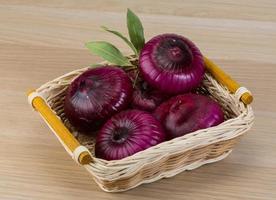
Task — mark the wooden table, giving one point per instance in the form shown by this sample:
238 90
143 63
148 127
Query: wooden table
42 40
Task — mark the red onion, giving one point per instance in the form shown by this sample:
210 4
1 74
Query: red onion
171 63
127 133
144 97
96 95
187 113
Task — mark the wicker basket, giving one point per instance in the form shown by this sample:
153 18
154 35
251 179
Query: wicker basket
164 160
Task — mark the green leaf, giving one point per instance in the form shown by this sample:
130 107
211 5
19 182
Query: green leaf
96 65
135 30
108 52
120 35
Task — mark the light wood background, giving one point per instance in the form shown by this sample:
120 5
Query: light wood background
40 40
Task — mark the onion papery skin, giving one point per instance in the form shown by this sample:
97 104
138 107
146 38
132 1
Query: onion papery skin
96 95
127 133
171 63
187 113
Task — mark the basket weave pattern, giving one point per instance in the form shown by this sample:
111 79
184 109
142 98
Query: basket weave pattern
168 158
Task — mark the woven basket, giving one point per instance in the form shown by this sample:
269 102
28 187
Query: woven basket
161 161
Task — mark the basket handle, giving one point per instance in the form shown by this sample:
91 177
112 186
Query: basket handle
79 153
242 93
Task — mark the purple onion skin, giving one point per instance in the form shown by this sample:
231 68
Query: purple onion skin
187 113
127 133
96 95
171 64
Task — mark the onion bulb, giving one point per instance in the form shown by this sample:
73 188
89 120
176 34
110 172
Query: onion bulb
127 133
171 63
187 113
145 97
96 95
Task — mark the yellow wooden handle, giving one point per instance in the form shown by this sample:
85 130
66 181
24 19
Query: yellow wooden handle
62 132
226 80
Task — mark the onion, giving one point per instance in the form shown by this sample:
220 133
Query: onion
187 113
127 133
96 95
144 97
171 63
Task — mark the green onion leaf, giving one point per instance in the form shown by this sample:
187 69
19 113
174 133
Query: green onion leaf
108 52
120 35
96 65
135 30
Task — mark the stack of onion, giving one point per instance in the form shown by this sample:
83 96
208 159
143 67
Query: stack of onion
169 65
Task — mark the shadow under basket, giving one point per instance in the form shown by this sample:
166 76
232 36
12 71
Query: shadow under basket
161 161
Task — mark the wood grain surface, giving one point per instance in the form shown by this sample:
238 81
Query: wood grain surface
40 40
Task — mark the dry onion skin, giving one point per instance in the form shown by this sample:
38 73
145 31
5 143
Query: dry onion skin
171 63
96 95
